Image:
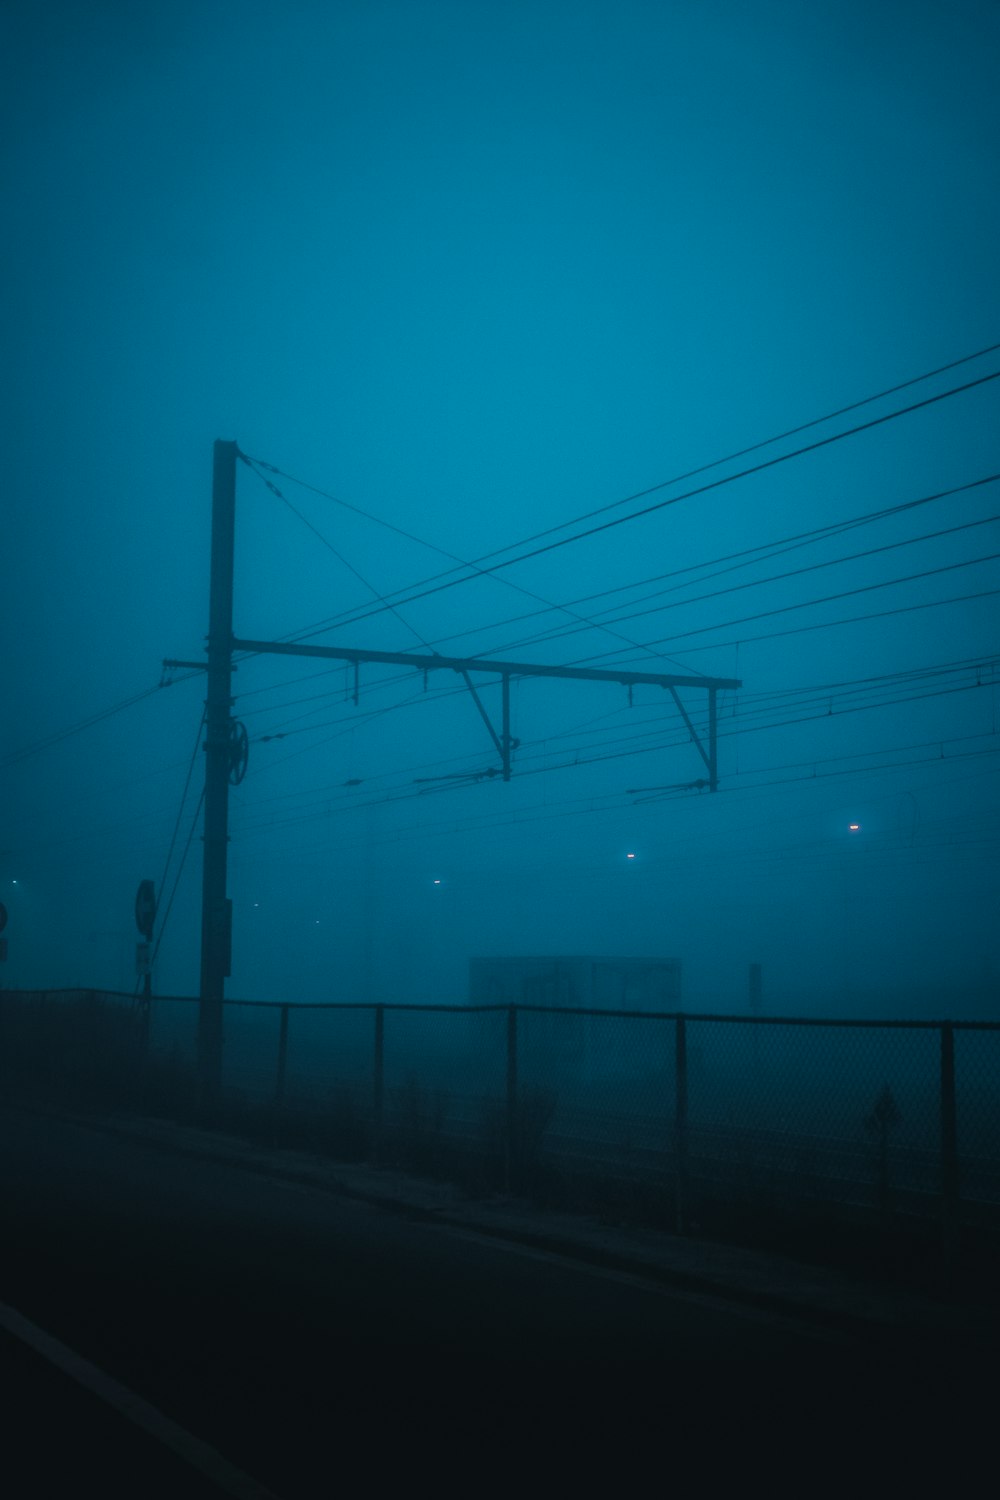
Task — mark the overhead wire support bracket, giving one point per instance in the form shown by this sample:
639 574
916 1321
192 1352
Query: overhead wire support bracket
505 670
422 662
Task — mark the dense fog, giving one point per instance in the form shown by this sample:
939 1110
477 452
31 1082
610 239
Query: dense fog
479 275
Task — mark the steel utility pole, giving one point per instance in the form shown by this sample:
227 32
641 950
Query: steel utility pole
216 908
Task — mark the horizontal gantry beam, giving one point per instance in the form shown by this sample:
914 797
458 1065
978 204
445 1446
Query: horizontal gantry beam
435 663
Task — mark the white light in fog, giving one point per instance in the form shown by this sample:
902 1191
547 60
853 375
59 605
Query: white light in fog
855 827
437 882
630 856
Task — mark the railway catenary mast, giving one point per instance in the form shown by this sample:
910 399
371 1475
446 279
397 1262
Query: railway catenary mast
225 740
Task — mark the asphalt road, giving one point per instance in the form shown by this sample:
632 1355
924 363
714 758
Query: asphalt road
324 1345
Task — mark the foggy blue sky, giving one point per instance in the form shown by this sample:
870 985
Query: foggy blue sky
479 269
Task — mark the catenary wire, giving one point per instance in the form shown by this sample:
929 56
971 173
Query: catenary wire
746 557
563 632
758 582
180 814
614 802
751 705
270 485
403 794
628 499
25 751
384 683
177 878
321 627
881 614
384 602
820 694
865 588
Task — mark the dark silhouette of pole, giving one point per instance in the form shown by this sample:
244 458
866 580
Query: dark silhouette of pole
216 909
680 1126
949 1148
511 1163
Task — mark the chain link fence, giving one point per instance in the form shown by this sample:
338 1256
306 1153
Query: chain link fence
681 1118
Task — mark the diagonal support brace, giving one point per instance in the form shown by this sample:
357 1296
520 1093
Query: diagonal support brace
504 741
482 713
709 756
695 737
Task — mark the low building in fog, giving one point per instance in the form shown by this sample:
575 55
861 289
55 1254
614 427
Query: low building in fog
556 1049
575 982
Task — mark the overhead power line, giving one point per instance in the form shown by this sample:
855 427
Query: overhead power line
732 561
769 463
450 781
611 801
879 614
25 751
830 760
182 803
385 602
830 416
669 793
743 558
270 485
751 705
782 609
177 878
682 478
448 582
562 632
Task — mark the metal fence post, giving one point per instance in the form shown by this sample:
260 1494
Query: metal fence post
949 1144
279 1081
510 1154
680 1125
378 1082
145 1028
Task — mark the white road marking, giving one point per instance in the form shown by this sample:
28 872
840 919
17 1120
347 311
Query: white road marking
200 1455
